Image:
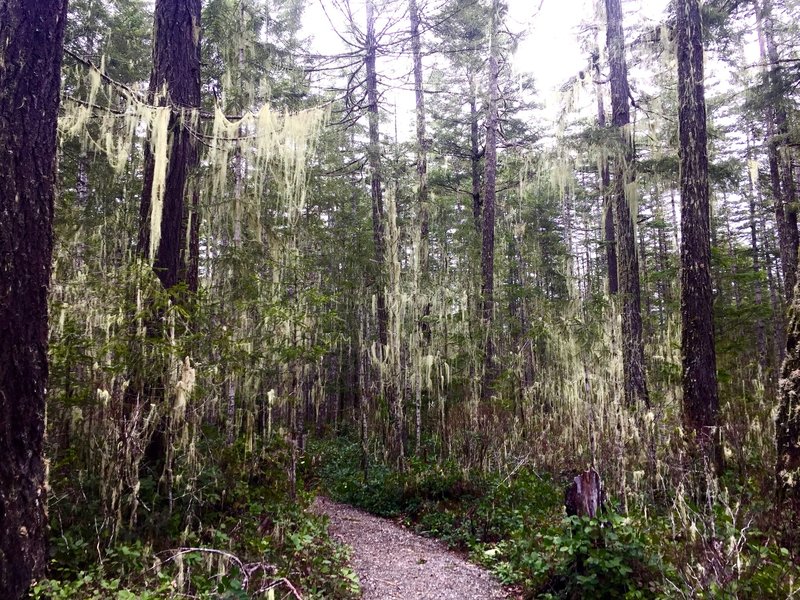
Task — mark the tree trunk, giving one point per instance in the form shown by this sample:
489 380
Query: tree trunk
664 286
389 385
605 185
585 497
31 42
635 381
761 336
773 283
193 266
780 165
490 178
174 82
82 197
422 148
374 159
424 307
787 421
699 365
475 155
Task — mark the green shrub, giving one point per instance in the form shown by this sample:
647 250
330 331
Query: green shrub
240 506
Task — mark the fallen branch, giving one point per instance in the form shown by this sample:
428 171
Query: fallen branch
248 570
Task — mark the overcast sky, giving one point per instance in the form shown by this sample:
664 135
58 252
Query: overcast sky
550 49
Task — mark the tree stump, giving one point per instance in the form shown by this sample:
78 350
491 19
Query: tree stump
584 496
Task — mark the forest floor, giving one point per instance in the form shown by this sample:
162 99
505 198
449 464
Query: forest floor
395 564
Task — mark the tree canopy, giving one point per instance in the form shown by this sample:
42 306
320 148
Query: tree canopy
356 243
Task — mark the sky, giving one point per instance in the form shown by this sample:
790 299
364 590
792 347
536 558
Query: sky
549 50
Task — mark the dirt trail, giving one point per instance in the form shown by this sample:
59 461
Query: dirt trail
395 564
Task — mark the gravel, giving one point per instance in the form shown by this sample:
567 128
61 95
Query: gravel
395 564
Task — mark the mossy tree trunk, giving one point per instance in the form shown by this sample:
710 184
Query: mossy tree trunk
422 144
490 180
390 387
699 365
635 381
31 42
174 82
374 161
423 328
605 185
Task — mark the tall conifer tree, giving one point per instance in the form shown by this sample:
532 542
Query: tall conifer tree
174 82
627 261
699 364
31 42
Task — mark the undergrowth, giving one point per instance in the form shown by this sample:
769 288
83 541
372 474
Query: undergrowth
236 535
514 524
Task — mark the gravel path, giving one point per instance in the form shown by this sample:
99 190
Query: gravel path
395 564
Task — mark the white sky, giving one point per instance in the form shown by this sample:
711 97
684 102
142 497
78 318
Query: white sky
550 49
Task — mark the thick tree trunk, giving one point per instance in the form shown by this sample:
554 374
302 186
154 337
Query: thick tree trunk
31 41
635 381
787 421
490 179
174 82
700 396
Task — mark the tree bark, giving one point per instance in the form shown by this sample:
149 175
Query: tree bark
490 179
422 147
787 421
475 156
423 328
31 43
605 184
390 386
778 347
761 336
174 82
374 159
780 164
699 366
635 381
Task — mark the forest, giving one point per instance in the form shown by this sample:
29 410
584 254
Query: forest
263 257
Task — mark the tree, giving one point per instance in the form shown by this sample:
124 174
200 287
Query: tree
31 39
380 239
780 163
422 144
787 421
627 261
422 280
374 160
462 36
605 183
490 194
699 364
174 83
